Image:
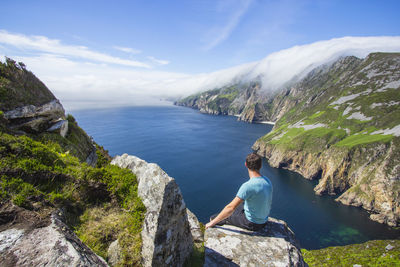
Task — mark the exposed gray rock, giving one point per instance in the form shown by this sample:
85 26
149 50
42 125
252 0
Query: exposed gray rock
91 160
61 126
195 228
114 253
31 111
275 245
37 119
389 247
166 237
51 245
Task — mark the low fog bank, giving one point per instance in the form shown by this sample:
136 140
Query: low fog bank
85 85
278 68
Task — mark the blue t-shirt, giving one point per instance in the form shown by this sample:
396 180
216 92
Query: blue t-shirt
257 196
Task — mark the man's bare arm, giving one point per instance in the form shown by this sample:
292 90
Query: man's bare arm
226 212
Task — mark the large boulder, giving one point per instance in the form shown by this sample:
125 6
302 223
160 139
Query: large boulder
29 240
275 245
166 234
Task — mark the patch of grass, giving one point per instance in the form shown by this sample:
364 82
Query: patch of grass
363 139
77 142
317 114
102 225
18 190
313 139
371 253
196 258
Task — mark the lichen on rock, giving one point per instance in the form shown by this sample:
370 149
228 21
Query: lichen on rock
275 245
166 234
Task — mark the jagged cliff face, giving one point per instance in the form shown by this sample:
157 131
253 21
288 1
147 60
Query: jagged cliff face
245 100
342 126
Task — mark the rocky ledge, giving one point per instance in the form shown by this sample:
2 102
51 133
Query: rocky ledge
275 245
35 119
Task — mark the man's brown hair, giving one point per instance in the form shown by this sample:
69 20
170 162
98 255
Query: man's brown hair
253 162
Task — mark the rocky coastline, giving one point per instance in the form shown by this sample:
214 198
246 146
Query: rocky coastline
338 125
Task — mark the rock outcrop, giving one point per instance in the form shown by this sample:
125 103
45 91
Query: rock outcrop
33 241
36 119
166 234
275 245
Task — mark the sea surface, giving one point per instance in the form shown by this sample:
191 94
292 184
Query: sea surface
205 154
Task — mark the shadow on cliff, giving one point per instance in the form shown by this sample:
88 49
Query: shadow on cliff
271 229
173 238
217 258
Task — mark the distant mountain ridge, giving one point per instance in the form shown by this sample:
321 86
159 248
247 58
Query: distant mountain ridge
340 124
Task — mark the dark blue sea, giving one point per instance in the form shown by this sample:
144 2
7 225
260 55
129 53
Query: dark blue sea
205 154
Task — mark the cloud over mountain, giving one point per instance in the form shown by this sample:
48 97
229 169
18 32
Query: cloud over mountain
82 78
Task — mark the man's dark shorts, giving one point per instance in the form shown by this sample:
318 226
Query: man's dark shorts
238 218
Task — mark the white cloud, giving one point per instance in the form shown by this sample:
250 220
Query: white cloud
278 68
221 33
158 61
46 45
97 85
128 50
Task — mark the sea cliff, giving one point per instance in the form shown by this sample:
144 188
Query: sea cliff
339 124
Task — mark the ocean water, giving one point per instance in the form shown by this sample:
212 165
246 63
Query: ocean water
205 154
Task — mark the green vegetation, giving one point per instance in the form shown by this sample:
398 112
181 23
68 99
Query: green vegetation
301 139
20 87
362 139
377 109
196 259
371 253
218 100
77 142
101 225
33 172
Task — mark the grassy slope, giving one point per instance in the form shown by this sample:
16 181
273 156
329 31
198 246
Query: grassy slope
20 87
33 173
339 129
371 253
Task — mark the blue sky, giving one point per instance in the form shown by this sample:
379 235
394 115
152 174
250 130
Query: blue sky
179 38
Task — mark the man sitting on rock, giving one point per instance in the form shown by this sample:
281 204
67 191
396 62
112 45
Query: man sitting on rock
256 194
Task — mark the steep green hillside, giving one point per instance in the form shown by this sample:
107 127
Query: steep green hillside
20 87
371 253
344 130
